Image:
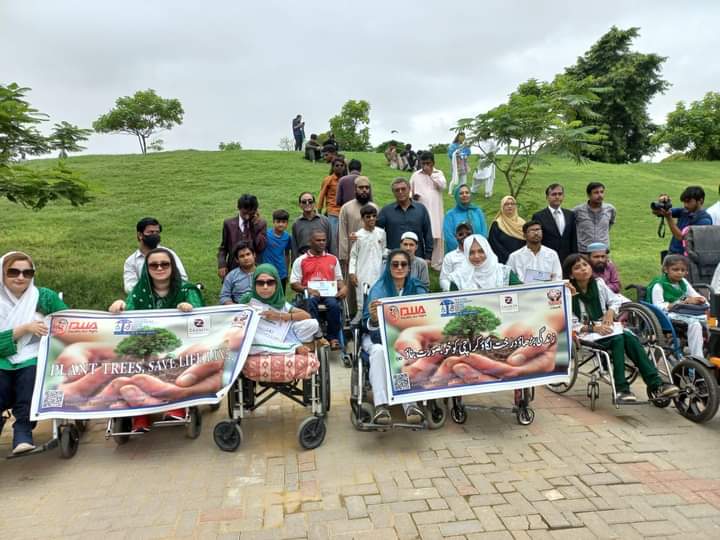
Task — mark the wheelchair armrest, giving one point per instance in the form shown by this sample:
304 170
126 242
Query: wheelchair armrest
640 290
704 289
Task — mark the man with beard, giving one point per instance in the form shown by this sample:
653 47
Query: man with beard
603 267
346 185
350 221
148 237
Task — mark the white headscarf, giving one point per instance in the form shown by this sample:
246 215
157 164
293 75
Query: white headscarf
488 275
16 311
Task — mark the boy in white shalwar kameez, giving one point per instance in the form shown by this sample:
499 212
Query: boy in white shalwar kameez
366 255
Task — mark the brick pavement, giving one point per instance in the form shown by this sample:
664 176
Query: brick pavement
633 473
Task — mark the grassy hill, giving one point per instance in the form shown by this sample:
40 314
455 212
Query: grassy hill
81 250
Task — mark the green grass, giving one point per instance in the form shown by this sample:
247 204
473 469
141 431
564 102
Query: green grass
80 251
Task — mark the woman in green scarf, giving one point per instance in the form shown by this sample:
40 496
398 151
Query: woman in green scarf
160 287
594 308
671 289
283 327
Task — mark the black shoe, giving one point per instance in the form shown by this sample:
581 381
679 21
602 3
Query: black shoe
382 416
665 390
625 397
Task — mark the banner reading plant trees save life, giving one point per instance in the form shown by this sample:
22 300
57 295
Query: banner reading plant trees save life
453 344
97 365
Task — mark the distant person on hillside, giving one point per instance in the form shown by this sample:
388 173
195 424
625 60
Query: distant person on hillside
246 226
279 246
408 158
558 224
594 218
346 185
306 223
239 279
298 128
330 141
427 186
313 149
459 155
392 157
148 236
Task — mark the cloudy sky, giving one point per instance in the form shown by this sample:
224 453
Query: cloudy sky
242 70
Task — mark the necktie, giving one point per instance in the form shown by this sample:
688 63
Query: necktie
559 221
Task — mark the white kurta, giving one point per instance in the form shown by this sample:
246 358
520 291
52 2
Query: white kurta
430 191
543 266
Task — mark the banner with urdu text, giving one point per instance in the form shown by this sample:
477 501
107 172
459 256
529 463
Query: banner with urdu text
99 365
453 344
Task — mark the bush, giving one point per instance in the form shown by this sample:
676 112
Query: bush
232 145
439 149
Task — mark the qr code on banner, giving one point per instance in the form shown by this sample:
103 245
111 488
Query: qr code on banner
53 398
401 381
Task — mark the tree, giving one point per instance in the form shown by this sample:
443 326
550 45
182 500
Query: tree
286 144
351 126
155 340
31 187
694 130
232 145
472 323
143 115
633 80
538 118
67 137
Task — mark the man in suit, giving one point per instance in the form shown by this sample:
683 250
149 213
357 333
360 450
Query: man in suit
558 224
248 227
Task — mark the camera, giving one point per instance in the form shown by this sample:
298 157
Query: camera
661 205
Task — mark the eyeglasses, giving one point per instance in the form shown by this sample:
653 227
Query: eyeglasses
15 272
265 282
162 265
399 264
307 201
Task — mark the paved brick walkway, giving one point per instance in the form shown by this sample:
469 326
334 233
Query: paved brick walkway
633 473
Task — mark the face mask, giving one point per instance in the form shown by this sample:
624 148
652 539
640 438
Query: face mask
151 240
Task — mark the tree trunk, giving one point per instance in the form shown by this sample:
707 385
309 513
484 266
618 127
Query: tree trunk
141 140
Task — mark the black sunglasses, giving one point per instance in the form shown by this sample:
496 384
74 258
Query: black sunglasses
265 282
15 272
307 201
399 264
162 265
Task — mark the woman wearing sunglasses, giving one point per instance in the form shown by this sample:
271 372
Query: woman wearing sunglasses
23 307
395 281
160 287
285 327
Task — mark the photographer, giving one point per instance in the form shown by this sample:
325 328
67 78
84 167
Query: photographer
692 213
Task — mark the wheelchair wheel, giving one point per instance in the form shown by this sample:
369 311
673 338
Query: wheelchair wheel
525 416
642 322
121 425
69 441
435 414
593 392
561 388
458 413
228 435
698 399
311 432
324 376
194 425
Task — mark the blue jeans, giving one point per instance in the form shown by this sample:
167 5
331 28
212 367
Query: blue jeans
333 314
16 389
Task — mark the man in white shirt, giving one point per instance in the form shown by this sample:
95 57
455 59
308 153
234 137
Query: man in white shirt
148 237
535 262
454 258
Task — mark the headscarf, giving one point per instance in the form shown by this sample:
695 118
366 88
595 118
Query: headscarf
488 275
384 287
672 292
16 311
475 217
143 295
512 226
277 300
590 299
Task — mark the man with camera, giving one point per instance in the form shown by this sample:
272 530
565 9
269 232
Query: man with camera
692 213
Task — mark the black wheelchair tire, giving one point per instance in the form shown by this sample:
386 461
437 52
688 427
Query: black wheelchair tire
698 385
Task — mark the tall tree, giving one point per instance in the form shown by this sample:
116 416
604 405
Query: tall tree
694 130
350 127
539 118
633 79
33 187
67 137
144 114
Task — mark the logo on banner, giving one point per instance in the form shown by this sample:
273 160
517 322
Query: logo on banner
134 327
509 303
62 327
198 326
406 312
449 307
554 296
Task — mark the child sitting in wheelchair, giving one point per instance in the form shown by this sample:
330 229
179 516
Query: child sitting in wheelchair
594 307
672 293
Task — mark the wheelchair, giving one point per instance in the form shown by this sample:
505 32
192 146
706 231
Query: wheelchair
65 435
120 429
301 301
247 394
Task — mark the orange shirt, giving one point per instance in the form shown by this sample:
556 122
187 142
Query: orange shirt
328 192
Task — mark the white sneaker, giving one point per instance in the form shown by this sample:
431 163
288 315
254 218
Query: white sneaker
23 447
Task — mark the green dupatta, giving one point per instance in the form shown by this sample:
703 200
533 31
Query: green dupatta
277 300
142 295
672 292
590 299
